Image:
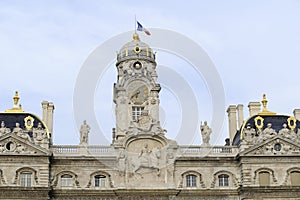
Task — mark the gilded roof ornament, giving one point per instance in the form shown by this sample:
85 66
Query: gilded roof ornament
136 37
17 107
265 111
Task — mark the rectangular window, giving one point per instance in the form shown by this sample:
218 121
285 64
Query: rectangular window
136 112
264 178
223 180
295 178
191 181
25 179
100 181
66 181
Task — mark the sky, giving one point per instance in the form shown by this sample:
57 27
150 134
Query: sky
254 45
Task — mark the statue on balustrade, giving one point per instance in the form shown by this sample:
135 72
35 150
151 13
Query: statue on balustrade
84 133
205 132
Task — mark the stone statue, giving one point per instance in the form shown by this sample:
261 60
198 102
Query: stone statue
285 132
84 133
40 136
205 132
17 129
21 133
268 132
3 129
249 134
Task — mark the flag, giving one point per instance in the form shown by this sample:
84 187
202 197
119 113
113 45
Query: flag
141 28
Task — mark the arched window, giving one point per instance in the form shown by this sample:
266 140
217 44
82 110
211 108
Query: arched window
264 178
100 181
66 180
191 180
295 178
223 180
26 179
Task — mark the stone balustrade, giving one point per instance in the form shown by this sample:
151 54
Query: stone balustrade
77 149
208 151
108 150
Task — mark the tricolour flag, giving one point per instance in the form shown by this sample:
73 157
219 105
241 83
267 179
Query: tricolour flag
141 28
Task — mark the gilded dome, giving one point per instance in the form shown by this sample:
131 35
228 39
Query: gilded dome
135 49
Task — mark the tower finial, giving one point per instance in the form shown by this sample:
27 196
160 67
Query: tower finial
265 111
136 37
264 102
16 99
17 107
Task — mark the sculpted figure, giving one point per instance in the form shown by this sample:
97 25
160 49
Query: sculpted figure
84 133
205 132
285 131
249 134
19 131
145 156
40 136
3 129
268 132
144 122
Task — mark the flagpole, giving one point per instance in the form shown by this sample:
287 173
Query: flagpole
135 24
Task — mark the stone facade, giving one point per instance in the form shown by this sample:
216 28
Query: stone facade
260 162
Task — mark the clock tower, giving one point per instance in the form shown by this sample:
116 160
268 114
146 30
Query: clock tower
136 93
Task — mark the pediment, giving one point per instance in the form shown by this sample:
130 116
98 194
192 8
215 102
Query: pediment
11 144
274 146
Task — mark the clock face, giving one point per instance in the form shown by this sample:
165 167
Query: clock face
138 93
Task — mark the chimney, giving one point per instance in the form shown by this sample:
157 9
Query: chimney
240 111
45 108
232 121
254 108
297 114
50 110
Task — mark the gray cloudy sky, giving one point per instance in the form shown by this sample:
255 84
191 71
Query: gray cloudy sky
255 46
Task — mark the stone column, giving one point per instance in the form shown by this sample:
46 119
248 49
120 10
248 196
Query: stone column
240 111
45 107
297 114
232 121
254 108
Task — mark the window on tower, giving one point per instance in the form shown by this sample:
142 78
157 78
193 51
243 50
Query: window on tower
136 112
